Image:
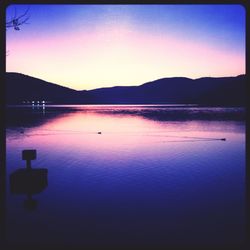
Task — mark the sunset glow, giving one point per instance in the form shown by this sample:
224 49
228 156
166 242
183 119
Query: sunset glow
93 46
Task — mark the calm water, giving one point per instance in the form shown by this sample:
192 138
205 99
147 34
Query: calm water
130 175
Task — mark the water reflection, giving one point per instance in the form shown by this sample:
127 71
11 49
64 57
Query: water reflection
29 181
119 121
28 117
119 177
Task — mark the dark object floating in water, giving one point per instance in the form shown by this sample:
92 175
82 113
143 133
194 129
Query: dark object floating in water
223 139
25 181
99 133
29 181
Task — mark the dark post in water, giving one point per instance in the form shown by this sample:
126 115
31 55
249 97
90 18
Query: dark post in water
29 155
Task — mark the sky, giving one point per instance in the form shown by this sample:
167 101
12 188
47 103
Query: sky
92 46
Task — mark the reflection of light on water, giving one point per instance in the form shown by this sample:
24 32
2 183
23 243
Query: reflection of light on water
80 128
79 131
43 109
130 164
38 106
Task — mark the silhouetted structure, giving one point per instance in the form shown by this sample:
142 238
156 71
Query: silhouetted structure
29 181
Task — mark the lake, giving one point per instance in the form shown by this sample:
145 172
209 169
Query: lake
129 175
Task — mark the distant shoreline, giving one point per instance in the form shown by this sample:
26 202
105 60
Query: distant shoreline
124 105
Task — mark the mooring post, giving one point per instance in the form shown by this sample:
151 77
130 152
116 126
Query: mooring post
29 155
28 164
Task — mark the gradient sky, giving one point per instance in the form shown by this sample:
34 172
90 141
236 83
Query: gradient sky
93 46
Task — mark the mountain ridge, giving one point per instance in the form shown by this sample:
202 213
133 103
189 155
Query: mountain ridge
204 91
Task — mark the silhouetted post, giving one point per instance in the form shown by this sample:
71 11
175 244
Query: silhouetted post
30 203
29 180
29 155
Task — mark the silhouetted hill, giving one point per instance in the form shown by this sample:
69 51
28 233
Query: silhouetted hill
204 91
21 88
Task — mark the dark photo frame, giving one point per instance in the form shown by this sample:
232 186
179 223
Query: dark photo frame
129 207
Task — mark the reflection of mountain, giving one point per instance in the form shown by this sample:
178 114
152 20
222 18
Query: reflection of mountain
27 117
19 119
204 91
183 113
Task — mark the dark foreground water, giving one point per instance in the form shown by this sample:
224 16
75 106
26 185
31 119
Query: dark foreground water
129 176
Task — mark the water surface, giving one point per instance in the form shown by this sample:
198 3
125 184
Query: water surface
130 175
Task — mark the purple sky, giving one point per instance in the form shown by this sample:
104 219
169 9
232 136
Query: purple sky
92 46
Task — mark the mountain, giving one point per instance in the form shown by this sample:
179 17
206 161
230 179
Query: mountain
206 91
225 91
21 88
